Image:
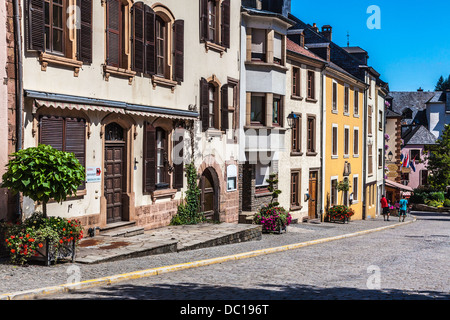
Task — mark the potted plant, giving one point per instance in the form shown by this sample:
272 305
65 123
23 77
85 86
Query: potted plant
272 217
42 173
340 213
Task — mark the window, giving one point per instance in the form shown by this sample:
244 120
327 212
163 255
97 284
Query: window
380 120
212 106
157 160
259 44
370 159
380 158
355 142
311 85
334 140
423 177
65 134
346 99
258 105
346 141
116 34
295 189
277 111
215 22
335 106
405 179
345 194
212 20
414 154
162 173
334 192
261 175
47 27
296 82
311 135
277 48
157 43
355 188
54 26
161 47
369 120
296 135
356 103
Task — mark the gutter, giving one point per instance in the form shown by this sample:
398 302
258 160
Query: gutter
19 86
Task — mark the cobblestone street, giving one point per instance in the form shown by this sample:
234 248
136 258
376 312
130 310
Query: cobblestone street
406 262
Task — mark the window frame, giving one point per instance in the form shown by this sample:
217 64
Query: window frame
50 25
259 56
334 141
279 113
311 140
263 108
295 189
355 142
346 100
346 141
334 191
311 87
296 76
296 136
334 97
355 188
356 102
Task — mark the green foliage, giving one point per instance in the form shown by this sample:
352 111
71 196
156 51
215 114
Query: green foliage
343 185
439 161
43 173
27 239
446 203
442 84
434 203
189 211
273 181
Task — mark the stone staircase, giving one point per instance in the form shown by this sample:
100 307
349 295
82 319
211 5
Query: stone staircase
246 217
121 229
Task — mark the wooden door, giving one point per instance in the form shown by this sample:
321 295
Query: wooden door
208 196
312 203
114 181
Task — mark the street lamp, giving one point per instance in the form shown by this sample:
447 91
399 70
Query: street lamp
291 120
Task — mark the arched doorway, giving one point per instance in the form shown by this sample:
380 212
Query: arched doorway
209 194
114 172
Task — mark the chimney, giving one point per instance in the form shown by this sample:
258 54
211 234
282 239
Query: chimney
314 27
327 31
420 89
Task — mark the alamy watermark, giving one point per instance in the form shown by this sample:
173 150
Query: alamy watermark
374 20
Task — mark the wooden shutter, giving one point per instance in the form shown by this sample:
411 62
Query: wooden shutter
113 47
224 107
52 132
138 36
226 23
75 141
179 169
203 20
149 36
84 42
204 104
36 26
178 32
149 158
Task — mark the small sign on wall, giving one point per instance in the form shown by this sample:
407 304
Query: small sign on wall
93 174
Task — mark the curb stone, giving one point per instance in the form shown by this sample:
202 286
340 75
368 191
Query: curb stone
69 287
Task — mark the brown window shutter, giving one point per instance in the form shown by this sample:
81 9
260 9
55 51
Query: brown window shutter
203 20
84 45
149 158
179 169
178 31
149 36
113 47
204 104
226 23
52 132
137 12
224 107
35 24
75 141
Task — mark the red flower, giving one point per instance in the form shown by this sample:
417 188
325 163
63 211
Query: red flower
40 245
13 250
60 241
31 240
12 237
27 235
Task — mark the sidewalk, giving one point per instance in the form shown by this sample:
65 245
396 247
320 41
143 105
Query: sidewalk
200 245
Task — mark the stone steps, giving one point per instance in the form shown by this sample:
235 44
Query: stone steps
121 229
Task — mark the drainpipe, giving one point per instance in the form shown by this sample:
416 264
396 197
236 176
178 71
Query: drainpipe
19 85
364 153
322 144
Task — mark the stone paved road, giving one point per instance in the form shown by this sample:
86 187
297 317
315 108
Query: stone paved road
410 262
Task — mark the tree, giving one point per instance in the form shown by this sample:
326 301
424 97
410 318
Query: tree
43 173
439 161
442 84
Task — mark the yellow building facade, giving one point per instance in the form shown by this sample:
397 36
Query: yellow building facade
343 120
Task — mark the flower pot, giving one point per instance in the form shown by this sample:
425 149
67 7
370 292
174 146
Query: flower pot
52 252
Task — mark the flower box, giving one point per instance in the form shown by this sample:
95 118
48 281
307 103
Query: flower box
273 219
53 252
339 213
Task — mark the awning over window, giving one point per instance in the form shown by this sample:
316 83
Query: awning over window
53 100
396 185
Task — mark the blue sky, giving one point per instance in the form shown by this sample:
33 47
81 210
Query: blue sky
412 48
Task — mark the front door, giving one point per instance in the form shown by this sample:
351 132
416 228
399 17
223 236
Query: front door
208 196
312 204
114 173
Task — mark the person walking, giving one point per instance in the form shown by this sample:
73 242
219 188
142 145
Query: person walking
384 207
403 208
